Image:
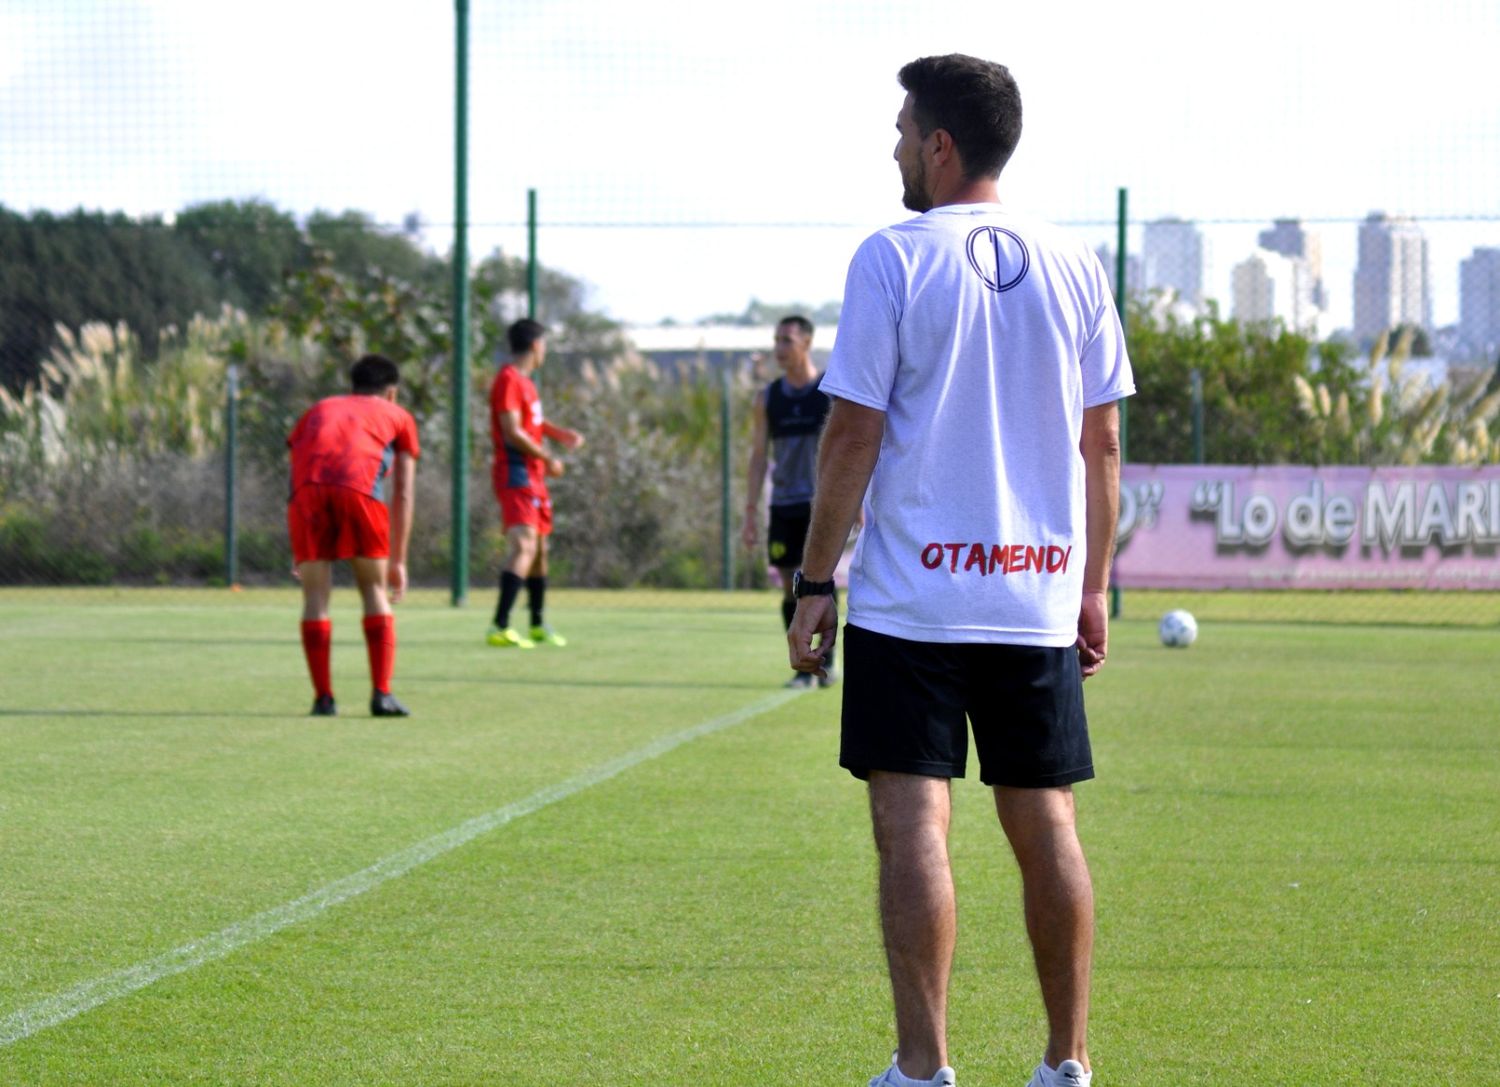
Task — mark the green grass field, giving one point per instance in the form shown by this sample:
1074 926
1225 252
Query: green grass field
1295 838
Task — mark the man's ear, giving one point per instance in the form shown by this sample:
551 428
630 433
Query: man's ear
943 148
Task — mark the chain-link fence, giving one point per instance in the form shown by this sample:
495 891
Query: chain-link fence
123 472
1347 337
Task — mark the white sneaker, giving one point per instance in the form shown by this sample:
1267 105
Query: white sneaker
894 1077
1067 1074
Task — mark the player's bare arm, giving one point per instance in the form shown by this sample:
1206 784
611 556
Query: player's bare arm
756 474
846 460
1100 447
403 503
510 429
567 437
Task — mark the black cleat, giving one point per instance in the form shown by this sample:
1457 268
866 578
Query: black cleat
384 704
324 706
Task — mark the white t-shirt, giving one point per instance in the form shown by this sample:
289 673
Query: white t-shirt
983 336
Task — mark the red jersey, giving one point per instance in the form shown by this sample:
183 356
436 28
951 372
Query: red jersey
351 441
514 391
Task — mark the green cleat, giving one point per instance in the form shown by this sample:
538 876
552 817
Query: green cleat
545 635
509 638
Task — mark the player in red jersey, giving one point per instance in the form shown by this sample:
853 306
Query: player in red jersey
522 465
342 450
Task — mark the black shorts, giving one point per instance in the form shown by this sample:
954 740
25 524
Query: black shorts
905 705
787 534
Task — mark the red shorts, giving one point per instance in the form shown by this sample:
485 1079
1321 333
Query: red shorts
328 523
524 506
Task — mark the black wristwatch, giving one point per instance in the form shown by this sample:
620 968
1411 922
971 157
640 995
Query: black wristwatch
802 587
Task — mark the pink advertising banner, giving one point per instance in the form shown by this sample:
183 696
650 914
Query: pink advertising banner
1293 527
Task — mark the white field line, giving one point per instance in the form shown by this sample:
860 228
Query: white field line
27 1021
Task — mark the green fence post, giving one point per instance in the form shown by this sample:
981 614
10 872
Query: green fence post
531 253
460 469
1121 302
1121 305
231 480
724 473
1197 416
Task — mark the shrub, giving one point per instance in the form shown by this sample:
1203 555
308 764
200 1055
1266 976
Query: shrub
96 489
29 554
23 548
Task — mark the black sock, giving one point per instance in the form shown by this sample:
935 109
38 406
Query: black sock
536 594
510 588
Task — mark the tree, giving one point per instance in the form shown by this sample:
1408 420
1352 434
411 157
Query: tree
91 266
344 282
1272 396
499 291
350 314
251 248
768 313
1250 396
356 245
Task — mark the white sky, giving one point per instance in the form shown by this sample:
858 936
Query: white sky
780 111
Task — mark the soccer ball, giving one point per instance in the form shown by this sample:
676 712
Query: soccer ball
1178 629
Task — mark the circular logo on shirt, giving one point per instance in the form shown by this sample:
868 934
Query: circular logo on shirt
999 256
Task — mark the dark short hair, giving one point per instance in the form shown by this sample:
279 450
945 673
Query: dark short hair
374 374
799 322
523 334
976 101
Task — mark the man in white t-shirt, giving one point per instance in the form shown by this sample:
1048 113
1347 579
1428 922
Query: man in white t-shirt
975 379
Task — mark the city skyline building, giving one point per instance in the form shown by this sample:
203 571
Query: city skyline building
1106 255
1479 302
1291 239
1173 257
1391 283
1404 270
1271 286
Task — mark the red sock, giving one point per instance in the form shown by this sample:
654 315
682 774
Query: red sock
317 638
380 640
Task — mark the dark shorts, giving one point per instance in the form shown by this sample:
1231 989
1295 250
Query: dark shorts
787 534
908 706
329 523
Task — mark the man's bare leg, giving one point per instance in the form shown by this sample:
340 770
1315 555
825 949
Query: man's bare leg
1041 825
316 579
911 815
369 576
522 545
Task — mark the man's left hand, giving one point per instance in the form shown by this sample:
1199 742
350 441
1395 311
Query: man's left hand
1093 632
